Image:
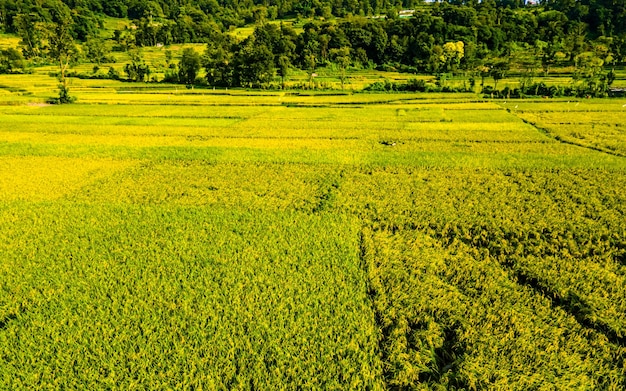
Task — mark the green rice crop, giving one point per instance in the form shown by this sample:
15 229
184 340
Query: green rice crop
590 124
146 297
507 264
155 238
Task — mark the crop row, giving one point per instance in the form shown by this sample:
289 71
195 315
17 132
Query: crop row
248 186
567 106
49 178
372 152
230 128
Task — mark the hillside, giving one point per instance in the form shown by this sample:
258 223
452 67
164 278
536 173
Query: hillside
248 45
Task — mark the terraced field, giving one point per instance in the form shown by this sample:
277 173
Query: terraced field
170 239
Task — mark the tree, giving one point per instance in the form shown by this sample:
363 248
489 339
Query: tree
341 57
32 32
61 48
137 70
218 62
526 62
436 59
189 66
483 72
283 68
453 52
84 23
618 47
589 69
254 65
309 62
574 42
11 59
550 53
96 50
125 39
259 14
498 70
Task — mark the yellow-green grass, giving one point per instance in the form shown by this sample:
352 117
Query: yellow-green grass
510 218
144 296
465 299
241 33
262 126
230 185
49 178
112 24
564 106
593 123
9 41
374 133
164 94
250 239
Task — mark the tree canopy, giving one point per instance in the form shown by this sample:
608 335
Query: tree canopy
461 36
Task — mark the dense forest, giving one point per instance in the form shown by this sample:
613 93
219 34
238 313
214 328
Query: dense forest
472 38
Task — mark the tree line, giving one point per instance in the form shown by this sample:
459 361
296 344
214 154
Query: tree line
603 17
476 39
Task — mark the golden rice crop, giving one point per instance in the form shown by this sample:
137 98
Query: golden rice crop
245 186
49 178
605 131
239 240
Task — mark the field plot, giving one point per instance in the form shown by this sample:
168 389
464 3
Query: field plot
235 240
144 297
597 124
533 257
50 178
239 186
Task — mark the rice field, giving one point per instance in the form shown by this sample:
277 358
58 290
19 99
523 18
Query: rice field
596 124
160 238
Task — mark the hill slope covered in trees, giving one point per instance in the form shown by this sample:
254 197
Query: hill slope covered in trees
474 39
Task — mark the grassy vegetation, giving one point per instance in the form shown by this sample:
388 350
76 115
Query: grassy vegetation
211 298
526 255
596 124
155 237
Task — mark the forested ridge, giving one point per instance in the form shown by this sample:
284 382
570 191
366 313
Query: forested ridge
602 17
476 39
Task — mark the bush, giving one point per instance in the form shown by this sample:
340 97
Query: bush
417 85
381 86
171 76
63 98
111 74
